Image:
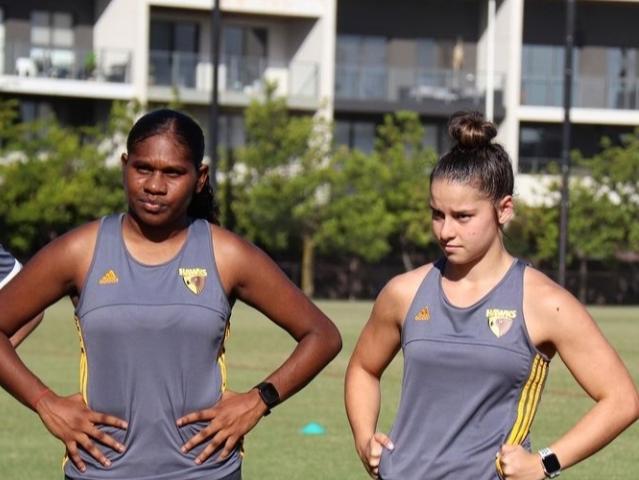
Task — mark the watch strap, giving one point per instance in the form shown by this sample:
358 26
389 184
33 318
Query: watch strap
269 395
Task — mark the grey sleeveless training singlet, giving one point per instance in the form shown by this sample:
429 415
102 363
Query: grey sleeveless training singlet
472 382
151 340
9 266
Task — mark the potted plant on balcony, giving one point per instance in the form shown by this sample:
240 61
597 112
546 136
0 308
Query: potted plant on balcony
89 65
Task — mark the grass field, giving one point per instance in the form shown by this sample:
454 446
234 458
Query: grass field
276 449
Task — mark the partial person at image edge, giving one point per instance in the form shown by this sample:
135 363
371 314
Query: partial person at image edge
9 268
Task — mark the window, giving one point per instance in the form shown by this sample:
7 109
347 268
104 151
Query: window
623 78
52 40
542 68
34 110
51 29
174 52
361 134
361 67
355 134
542 74
245 53
232 133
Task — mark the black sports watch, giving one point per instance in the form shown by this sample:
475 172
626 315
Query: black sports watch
550 462
269 395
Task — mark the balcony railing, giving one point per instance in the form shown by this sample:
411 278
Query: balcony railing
106 65
242 74
538 164
547 165
355 82
588 92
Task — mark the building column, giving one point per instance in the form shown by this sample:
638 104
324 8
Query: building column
512 12
326 67
490 61
141 52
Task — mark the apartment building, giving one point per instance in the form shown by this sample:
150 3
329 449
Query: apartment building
421 56
504 57
73 58
605 97
354 59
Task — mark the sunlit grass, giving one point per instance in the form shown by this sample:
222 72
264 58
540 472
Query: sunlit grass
276 449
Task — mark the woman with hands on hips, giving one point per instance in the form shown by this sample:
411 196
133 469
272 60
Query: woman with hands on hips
478 329
153 290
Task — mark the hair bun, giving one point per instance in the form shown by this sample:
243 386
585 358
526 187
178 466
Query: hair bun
470 130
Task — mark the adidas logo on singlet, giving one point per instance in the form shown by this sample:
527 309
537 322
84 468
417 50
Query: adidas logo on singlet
423 314
108 278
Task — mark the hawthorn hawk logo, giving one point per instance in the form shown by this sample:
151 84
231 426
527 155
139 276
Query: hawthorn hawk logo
194 278
500 321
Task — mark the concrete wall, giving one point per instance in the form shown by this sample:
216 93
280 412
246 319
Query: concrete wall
121 36
440 19
292 8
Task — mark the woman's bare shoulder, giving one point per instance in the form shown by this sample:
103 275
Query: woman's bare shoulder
398 294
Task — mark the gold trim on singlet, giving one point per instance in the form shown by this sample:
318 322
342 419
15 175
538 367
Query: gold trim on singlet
84 374
84 367
527 405
221 360
221 357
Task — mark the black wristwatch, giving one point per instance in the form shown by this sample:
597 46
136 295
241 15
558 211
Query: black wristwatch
269 395
550 462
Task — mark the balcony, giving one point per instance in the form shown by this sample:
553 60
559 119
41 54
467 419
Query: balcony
240 78
106 65
425 90
32 69
588 92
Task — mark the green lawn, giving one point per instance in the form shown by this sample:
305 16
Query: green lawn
276 449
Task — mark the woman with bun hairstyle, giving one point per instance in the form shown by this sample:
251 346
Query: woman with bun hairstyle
478 329
153 289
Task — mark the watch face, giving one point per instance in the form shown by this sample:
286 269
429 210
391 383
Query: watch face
551 463
269 394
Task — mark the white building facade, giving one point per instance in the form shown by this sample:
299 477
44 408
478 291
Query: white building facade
356 60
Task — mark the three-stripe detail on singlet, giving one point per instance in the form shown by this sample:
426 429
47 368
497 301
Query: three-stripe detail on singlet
528 401
527 405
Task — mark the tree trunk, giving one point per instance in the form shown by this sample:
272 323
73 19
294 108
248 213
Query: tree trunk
583 280
229 215
355 282
308 265
406 260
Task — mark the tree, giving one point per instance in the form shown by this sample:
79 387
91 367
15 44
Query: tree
53 178
405 178
615 172
595 229
280 176
356 221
